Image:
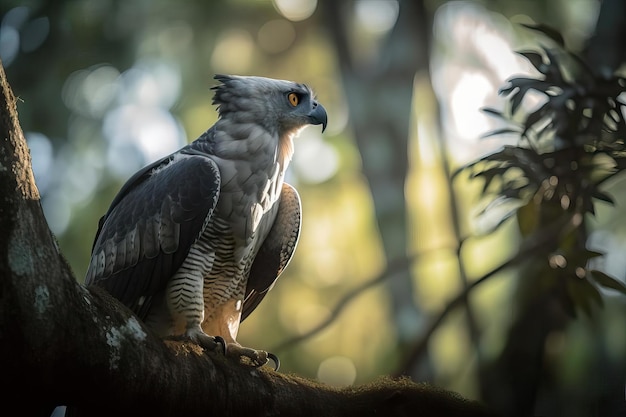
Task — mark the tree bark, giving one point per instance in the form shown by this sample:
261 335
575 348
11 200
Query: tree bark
64 344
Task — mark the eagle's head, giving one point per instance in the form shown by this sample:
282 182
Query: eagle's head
281 107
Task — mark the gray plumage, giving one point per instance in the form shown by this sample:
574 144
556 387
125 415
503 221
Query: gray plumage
193 241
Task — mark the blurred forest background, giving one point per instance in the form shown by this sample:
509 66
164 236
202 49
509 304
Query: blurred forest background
399 269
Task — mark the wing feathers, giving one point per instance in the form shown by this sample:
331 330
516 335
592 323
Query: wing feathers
120 255
109 253
276 251
168 230
147 232
133 245
150 240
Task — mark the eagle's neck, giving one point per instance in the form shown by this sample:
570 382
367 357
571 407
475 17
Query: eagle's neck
253 143
285 148
252 164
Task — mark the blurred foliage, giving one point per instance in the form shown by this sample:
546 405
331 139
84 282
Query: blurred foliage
571 141
569 146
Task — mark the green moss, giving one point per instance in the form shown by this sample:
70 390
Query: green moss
20 257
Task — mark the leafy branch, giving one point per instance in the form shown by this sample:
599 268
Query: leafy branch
570 143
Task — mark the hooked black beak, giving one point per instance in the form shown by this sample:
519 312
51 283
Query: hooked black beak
318 115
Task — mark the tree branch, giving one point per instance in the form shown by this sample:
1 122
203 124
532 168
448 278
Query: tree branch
392 267
546 238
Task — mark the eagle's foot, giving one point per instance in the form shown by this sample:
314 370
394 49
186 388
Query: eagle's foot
257 357
274 359
212 343
236 351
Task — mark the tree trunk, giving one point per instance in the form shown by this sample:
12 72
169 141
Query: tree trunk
379 92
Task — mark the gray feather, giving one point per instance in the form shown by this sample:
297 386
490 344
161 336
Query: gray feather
276 251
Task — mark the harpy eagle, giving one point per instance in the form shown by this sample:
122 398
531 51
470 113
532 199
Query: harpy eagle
194 241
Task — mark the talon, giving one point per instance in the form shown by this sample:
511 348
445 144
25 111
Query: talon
206 342
219 340
274 359
257 357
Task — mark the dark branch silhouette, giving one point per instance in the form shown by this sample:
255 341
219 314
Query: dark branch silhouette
392 267
547 238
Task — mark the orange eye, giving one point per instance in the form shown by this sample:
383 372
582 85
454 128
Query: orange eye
293 99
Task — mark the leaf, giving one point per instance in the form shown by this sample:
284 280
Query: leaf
608 282
535 59
588 206
502 131
582 256
603 197
493 112
523 84
554 73
526 83
490 174
536 116
491 225
589 254
513 192
517 100
461 170
548 31
505 91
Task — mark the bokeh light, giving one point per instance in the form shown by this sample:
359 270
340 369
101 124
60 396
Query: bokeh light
376 16
35 33
90 92
152 132
42 155
10 27
470 93
276 36
314 160
295 10
337 371
233 53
